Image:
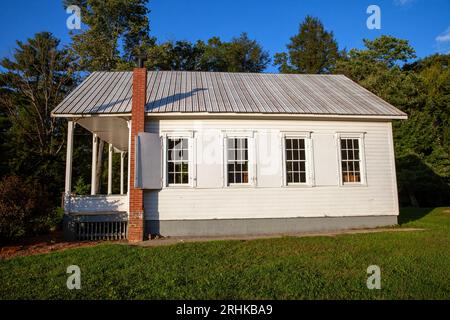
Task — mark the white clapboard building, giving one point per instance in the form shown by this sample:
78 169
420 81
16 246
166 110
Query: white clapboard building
209 154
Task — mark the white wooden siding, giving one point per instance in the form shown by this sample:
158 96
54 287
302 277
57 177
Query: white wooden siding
268 198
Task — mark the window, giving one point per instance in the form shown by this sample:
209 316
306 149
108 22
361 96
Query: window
295 160
177 161
237 160
350 160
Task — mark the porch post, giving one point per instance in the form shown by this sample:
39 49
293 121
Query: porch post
94 163
110 159
69 154
122 159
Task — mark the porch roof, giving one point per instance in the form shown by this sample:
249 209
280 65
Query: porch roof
109 93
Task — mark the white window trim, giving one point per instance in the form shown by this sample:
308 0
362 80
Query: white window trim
310 178
362 147
192 171
252 178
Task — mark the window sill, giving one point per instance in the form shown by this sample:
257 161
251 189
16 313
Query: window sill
240 185
298 185
353 184
179 186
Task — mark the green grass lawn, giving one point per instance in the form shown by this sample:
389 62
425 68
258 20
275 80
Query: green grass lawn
414 265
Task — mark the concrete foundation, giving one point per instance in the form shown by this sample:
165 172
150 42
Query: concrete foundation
224 227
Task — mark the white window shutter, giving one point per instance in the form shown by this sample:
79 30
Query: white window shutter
148 161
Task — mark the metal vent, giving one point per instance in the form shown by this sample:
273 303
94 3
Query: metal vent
104 230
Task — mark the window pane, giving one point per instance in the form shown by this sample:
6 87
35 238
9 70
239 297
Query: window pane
350 154
184 177
244 177
289 155
302 177
302 155
349 144
289 177
288 143
302 166
288 166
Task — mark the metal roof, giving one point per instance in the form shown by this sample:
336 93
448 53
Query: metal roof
221 92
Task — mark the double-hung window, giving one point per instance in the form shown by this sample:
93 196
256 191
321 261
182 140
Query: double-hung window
351 158
237 161
295 160
177 161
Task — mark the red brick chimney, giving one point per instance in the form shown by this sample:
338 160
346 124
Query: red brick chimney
136 196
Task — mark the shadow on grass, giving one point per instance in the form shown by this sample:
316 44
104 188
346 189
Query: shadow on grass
409 214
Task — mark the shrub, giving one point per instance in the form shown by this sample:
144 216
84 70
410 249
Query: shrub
25 208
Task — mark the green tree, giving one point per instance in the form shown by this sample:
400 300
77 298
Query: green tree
312 50
110 23
241 54
422 90
179 55
32 84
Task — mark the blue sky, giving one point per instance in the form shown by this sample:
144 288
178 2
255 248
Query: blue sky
425 23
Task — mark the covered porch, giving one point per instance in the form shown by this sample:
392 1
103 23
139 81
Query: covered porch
99 215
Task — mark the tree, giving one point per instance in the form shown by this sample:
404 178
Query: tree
244 55
33 83
422 90
312 50
110 23
179 55
241 54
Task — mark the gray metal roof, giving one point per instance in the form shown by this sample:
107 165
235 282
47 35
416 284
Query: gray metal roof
221 92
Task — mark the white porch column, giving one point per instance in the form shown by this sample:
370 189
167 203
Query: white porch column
110 158
69 155
94 163
129 156
122 159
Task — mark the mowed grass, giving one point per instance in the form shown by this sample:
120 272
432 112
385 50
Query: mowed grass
414 265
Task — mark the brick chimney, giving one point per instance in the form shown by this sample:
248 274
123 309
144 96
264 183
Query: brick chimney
136 196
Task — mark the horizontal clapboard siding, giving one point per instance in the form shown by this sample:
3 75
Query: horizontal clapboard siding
209 199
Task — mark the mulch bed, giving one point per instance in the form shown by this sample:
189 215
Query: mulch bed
41 244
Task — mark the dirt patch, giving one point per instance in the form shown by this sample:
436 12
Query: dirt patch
42 244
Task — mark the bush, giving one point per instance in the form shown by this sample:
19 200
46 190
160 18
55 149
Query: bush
25 208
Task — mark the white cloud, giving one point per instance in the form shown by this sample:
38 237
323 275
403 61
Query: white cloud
444 36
